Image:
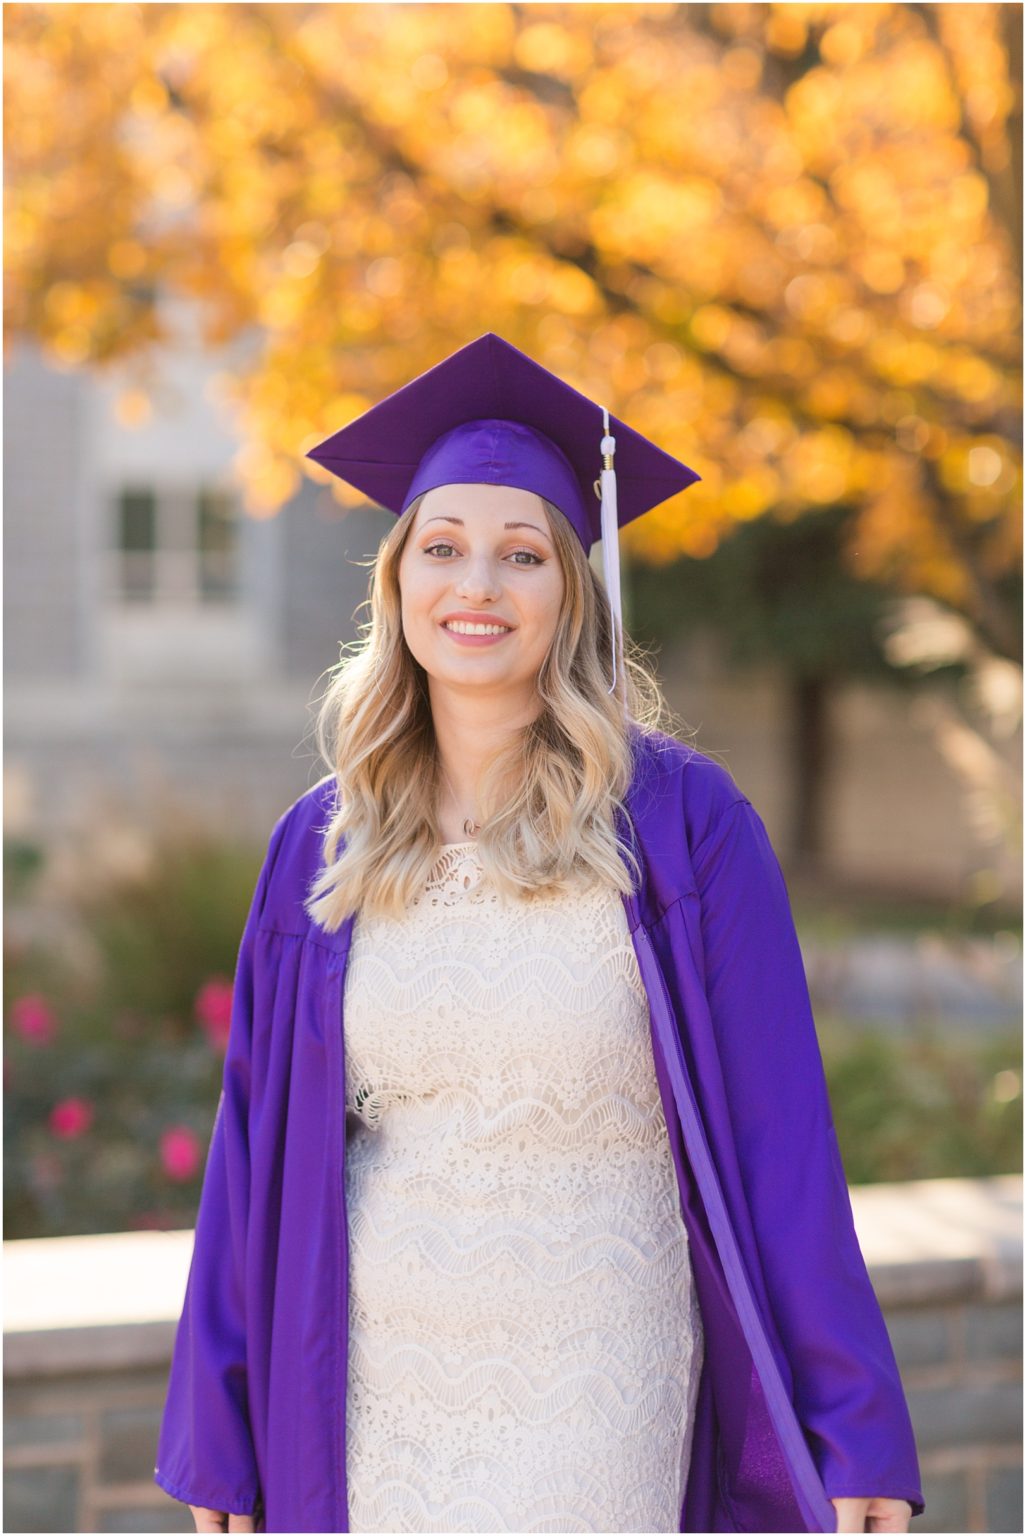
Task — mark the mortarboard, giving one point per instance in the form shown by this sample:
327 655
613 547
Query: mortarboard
490 415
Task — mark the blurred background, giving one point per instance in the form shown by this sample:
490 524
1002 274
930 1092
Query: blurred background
785 241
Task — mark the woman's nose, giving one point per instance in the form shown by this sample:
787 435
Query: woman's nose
478 580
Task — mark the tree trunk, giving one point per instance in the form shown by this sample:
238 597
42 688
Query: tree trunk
810 752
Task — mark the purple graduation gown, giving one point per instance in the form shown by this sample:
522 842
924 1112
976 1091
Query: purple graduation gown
800 1399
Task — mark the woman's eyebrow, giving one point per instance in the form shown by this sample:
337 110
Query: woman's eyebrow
459 520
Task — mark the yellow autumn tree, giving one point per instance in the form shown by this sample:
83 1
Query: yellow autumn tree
784 240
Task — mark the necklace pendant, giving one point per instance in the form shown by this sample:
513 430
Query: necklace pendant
470 826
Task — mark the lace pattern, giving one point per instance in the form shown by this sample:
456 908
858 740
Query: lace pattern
525 1340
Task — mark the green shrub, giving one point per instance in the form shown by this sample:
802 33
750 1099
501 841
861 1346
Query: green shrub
924 1106
105 1043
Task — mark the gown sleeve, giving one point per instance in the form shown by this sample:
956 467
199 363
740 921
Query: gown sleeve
848 1393
205 1451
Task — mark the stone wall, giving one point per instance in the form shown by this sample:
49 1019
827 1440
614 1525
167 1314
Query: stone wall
90 1322
945 1256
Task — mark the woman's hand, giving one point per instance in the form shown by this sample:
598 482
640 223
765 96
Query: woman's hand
872 1514
214 1520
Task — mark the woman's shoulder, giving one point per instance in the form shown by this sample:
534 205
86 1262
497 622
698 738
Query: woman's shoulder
674 778
294 856
308 814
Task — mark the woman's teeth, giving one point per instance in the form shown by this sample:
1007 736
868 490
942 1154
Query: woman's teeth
477 629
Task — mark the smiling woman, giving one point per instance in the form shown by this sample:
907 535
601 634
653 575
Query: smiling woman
523 1208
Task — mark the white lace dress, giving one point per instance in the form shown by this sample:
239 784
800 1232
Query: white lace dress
525 1339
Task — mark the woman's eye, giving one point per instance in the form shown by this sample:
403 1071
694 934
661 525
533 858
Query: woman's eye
532 557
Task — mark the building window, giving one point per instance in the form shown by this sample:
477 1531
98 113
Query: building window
137 542
176 546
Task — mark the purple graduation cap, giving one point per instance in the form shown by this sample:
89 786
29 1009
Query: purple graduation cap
490 415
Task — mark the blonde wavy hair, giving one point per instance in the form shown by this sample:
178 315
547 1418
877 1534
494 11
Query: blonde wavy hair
548 797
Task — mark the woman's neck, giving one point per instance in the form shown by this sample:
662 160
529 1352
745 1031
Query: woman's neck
466 739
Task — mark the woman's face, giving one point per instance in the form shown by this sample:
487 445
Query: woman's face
482 554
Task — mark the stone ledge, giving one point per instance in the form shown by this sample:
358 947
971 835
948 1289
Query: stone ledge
936 1240
926 1242
40 1352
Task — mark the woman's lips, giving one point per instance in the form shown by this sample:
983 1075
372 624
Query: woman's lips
474 640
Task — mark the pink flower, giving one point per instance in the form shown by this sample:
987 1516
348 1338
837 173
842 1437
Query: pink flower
33 1018
70 1117
214 1010
180 1152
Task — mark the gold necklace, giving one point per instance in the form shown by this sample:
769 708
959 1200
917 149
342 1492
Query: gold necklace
470 826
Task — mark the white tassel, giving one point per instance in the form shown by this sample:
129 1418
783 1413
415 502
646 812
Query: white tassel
611 541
